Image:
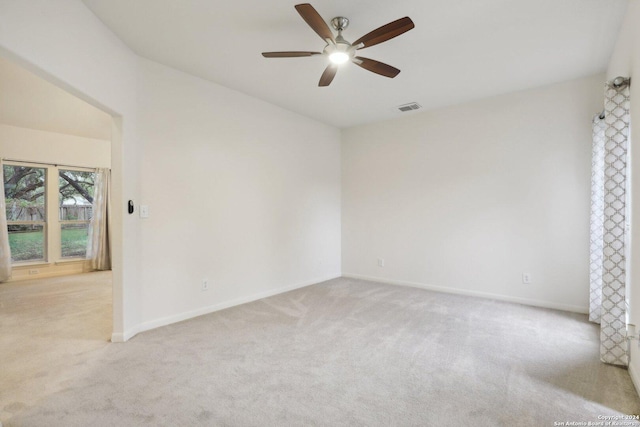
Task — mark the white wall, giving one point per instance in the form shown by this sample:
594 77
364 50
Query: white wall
18 143
625 62
29 101
467 198
240 192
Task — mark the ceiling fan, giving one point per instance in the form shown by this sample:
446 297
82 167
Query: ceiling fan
339 50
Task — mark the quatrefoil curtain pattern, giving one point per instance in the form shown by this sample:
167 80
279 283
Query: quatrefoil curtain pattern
608 222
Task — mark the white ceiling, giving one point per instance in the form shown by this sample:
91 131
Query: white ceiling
460 50
29 101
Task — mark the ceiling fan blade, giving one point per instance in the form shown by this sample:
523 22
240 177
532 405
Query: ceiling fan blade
315 21
290 54
328 75
376 66
386 32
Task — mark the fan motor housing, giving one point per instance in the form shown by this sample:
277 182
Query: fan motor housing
339 23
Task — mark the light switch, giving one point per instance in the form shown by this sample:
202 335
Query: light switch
144 211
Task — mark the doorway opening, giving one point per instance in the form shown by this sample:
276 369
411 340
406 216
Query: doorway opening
51 145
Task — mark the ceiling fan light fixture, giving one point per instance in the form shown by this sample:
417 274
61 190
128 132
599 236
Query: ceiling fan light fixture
339 52
339 57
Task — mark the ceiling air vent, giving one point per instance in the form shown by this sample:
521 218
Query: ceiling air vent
409 107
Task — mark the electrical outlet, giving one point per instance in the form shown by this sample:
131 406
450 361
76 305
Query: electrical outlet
34 271
526 278
205 285
380 262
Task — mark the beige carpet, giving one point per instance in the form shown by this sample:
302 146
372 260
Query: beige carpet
340 353
48 328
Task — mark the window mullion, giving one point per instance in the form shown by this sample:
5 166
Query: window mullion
53 216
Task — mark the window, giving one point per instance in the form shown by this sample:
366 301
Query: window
25 200
75 190
41 230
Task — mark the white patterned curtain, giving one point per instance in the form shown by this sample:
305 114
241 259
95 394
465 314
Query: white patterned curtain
5 250
98 244
608 223
597 218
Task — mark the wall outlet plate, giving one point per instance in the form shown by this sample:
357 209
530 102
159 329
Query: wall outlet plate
205 285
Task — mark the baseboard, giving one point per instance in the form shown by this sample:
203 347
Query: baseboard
164 321
635 379
468 292
49 270
117 337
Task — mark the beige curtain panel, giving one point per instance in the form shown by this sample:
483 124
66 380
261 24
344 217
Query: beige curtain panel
98 244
